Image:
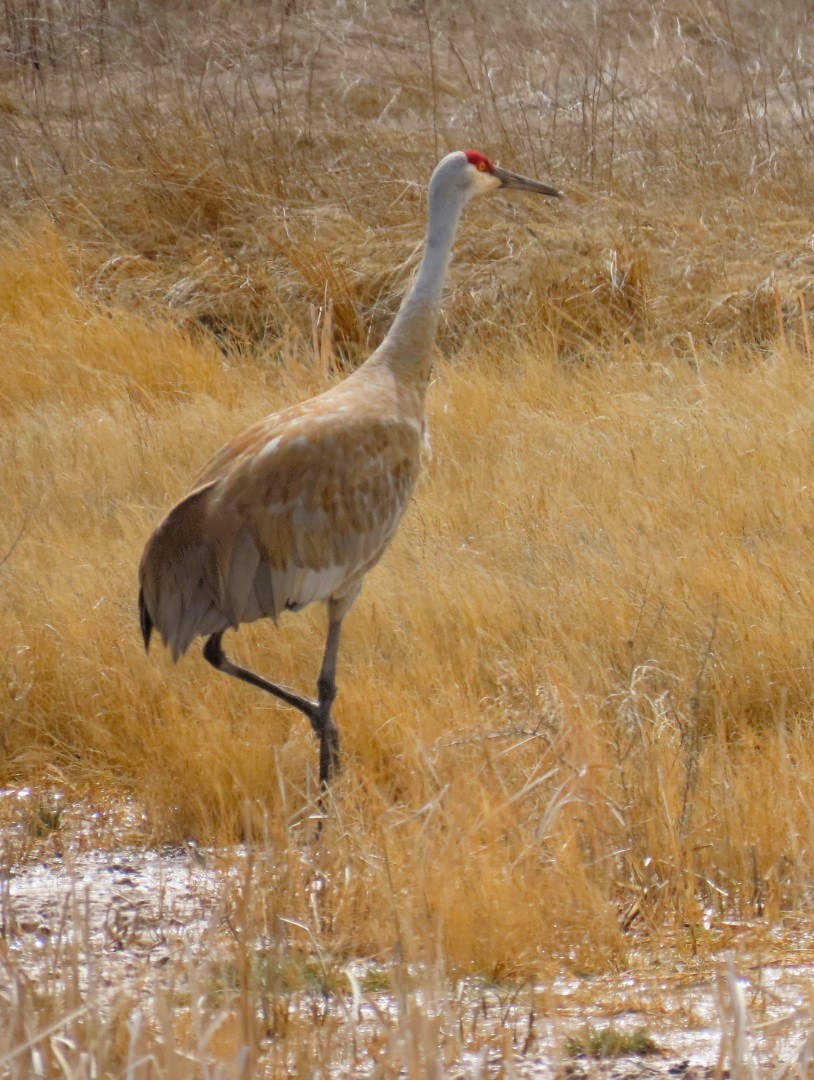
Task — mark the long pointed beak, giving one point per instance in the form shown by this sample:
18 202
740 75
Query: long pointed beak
522 183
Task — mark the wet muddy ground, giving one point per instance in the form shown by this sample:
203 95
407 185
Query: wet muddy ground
133 918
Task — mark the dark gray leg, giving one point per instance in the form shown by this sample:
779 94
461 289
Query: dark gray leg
213 652
319 712
326 689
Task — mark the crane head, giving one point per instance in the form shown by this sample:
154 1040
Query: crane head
486 177
468 173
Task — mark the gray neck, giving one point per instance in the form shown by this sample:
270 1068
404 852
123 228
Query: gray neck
413 331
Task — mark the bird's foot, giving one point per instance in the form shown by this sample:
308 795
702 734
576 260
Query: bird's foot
311 710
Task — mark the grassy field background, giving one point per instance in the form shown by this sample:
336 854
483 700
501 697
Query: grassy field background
576 696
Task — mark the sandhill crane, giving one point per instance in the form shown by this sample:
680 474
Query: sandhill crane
301 505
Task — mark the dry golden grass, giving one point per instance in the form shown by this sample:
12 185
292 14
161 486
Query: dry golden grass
576 697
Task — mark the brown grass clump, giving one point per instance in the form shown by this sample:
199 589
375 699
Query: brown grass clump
576 696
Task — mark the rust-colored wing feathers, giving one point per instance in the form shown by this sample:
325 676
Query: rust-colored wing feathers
296 509
323 496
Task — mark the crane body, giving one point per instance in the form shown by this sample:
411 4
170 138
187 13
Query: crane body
302 504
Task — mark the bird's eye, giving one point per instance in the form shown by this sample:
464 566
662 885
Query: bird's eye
482 166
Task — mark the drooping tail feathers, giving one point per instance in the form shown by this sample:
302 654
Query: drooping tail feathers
176 595
144 619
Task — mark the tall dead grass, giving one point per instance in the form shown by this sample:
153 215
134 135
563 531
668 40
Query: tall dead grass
576 696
